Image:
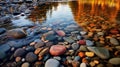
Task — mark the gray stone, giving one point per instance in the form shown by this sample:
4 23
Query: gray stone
26 64
68 39
114 41
114 61
39 44
83 65
77 58
75 46
19 52
31 57
57 58
14 44
52 63
101 52
89 43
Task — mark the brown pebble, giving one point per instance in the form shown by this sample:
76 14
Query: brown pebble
17 59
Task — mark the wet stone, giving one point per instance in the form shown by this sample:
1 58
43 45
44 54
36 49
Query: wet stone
2 30
101 52
60 32
68 39
52 63
114 61
39 44
89 43
2 55
57 58
83 65
83 48
16 33
75 46
57 50
31 57
25 64
77 58
114 41
19 52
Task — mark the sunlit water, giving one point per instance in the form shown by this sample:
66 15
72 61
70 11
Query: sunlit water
71 12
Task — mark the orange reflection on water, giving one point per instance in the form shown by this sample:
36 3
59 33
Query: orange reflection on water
108 9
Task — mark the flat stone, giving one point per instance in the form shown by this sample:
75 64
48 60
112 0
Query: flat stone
4 48
57 50
16 33
75 46
89 43
77 58
19 52
68 39
52 63
31 57
83 48
39 44
101 52
82 42
114 41
114 61
25 64
60 32
89 54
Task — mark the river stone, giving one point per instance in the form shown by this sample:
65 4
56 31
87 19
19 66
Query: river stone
114 41
89 43
82 42
31 57
16 33
4 48
39 44
2 55
2 30
114 61
83 32
101 52
68 39
57 50
52 63
117 47
14 44
75 46
83 65
60 32
51 37
26 64
83 48
19 52
77 58
57 58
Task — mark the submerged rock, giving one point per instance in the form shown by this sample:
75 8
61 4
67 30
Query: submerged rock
19 52
101 52
16 33
31 57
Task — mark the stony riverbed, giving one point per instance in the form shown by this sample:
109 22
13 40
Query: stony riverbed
90 44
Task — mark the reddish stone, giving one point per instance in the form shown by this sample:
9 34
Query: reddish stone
57 50
81 54
114 31
82 42
60 33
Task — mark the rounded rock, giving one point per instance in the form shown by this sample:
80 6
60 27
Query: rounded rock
83 65
75 46
114 61
60 32
52 63
57 50
31 57
89 54
26 64
19 52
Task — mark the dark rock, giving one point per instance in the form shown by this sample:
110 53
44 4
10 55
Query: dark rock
19 52
2 30
30 48
4 48
2 55
31 57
